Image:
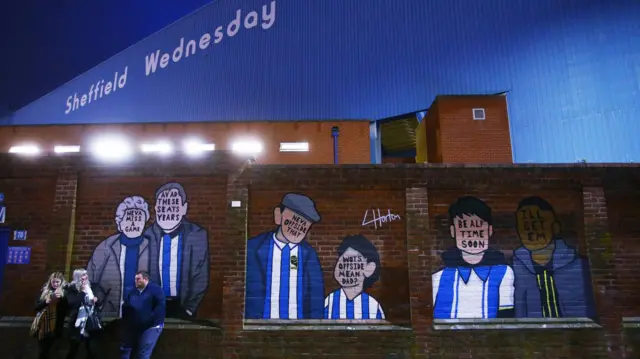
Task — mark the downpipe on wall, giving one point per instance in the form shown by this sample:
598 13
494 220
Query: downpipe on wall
335 132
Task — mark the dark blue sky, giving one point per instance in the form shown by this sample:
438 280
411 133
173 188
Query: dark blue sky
45 43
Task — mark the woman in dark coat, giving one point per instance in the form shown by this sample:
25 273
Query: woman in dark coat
79 295
52 304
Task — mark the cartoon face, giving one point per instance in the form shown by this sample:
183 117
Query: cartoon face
132 224
536 228
294 227
170 209
471 233
352 269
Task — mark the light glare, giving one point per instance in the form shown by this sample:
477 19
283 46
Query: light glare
66 149
111 148
160 147
294 146
25 150
196 147
247 147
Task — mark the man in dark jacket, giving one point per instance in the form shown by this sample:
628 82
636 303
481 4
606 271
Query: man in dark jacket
143 314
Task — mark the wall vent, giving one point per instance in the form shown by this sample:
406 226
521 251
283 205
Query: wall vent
478 114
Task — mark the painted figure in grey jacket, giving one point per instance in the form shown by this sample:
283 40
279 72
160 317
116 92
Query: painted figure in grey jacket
551 279
115 261
179 252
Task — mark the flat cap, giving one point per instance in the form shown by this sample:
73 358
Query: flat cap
302 205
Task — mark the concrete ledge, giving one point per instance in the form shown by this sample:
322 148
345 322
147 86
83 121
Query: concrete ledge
25 322
514 324
321 324
558 166
631 322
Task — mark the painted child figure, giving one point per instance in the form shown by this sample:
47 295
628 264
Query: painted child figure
476 281
357 269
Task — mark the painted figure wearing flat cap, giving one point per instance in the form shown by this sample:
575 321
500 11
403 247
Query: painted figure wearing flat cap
284 276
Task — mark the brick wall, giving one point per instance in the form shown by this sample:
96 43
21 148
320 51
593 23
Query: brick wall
595 206
353 144
465 140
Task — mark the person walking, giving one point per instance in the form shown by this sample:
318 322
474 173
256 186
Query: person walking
51 307
81 302
143 315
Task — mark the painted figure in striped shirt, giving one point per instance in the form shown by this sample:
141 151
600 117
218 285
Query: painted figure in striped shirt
357 269
179 253
284 279
476 281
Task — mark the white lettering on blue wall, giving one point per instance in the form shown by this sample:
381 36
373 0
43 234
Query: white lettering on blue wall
251 20
96 91
160 60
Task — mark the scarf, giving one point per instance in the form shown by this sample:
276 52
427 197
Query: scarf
85 311
48 319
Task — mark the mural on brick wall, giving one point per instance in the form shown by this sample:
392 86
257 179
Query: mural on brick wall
552 280
357 269
174 250
476 281
284 278
545 278
115 260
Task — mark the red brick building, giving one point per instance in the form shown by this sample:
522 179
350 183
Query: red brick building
456 129
67 205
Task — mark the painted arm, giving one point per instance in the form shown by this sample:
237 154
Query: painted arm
97 262
380 312
435 285
520 290
255 281
199 272
583 292
326 307
315 286
507 292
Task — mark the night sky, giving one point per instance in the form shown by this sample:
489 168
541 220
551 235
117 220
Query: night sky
44 44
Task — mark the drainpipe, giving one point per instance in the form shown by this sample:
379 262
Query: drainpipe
335 132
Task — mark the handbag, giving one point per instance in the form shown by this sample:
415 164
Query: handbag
94 320
35 325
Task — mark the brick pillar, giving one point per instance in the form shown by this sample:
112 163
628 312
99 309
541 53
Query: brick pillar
596 231
62 221
419 246
234 276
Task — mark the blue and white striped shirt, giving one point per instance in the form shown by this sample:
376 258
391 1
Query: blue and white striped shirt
170 263
462 292
364 306
284 281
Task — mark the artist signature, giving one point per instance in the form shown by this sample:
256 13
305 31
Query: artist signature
377 218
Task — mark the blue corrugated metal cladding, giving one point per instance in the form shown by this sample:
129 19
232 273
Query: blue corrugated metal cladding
572 69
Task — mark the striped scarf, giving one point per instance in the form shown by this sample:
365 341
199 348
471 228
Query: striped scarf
47 325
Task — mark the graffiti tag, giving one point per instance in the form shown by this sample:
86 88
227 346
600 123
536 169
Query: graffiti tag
377 218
